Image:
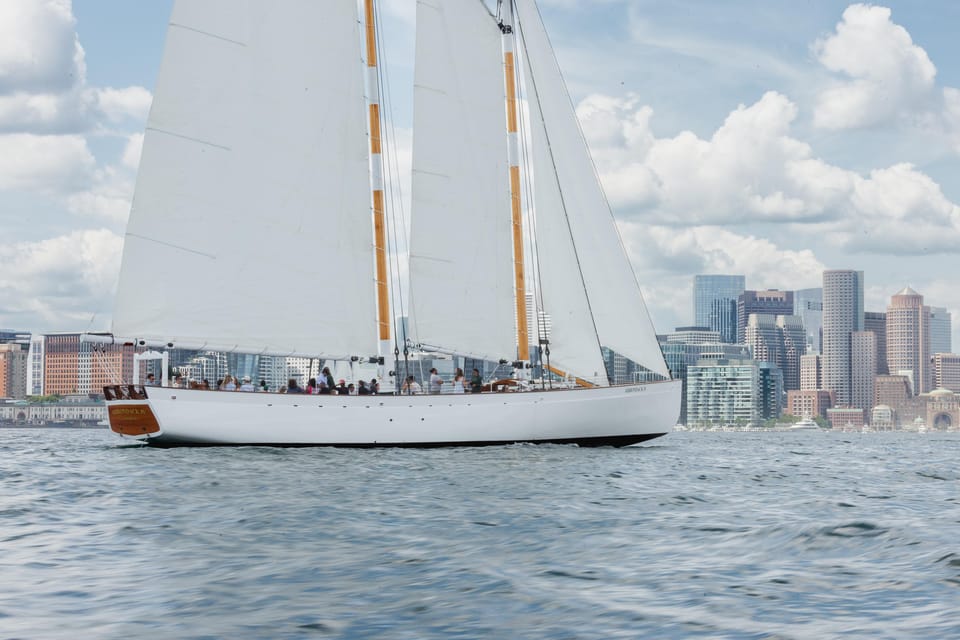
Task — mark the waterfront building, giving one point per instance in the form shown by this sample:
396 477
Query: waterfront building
946 371
863 369
941 339
842 316
846 418
732 391
72 366
72 409
14 363
771 302
908 338
882 418
809 402
686 346
894 391
943 410
808 304
811 372
35 366
715 303
876 321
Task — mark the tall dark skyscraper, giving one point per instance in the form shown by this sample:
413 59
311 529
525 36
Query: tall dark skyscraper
842 316
770 302
715 303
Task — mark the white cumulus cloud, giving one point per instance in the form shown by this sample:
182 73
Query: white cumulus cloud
753 169
62 281
884 74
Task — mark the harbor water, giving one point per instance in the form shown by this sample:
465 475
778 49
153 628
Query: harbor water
694 535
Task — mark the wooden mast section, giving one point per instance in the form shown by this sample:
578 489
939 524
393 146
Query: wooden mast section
376 181
510 79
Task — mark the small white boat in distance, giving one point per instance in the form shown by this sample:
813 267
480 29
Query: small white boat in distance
806 424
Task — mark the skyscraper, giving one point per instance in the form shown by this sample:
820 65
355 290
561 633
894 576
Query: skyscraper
715 303
940 328
842 315
863 369
908 338
771 302
779 340
808 304
876 321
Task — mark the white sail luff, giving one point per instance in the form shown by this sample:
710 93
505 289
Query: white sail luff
251 217
619 313
461 292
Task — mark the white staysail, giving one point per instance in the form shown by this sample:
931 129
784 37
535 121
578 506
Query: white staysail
619 313
574 345
250 228
461 249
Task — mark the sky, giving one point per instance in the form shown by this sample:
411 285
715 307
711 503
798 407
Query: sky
769 138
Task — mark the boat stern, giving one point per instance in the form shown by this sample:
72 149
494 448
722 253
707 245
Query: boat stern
129 412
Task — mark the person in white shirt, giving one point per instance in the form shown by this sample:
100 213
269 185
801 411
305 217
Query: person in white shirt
247 384
436 382
411 387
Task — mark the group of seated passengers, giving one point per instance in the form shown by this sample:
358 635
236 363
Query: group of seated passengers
326 386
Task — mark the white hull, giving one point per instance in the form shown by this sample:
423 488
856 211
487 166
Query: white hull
616 416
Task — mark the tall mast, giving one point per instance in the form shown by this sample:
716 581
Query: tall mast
376 181
510 78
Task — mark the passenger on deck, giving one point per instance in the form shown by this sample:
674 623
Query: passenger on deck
151 380
362 389
351 390
328 378
374 387
411 387
247 384
229 383
311 386
323 389
476 382
436 382
458 381
342 388
293 387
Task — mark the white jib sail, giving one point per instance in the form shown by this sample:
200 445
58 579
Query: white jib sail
574 345
461 251
619 313
251 225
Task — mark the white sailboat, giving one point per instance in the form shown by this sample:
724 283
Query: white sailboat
263 151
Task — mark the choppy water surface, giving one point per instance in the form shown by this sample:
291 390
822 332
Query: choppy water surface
739 535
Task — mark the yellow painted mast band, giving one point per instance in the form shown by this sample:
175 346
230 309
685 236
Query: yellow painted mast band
376 177
510 80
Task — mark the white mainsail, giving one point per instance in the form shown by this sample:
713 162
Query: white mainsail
616 303
461 247
226 212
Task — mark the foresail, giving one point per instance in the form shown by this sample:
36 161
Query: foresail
461 288
619 312
250 227
574 344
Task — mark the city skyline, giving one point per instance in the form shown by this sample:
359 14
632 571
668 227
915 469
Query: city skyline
796 139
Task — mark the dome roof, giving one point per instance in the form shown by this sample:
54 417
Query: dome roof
941 393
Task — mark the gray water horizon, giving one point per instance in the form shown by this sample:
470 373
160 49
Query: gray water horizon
693 535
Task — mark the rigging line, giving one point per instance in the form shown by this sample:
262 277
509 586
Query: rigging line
553 162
